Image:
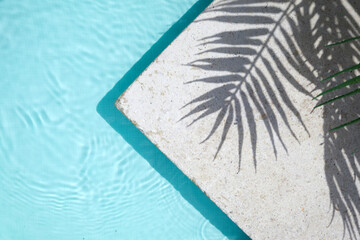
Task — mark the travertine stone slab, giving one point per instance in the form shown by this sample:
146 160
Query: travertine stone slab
244 73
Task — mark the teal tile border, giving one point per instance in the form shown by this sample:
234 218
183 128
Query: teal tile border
150 152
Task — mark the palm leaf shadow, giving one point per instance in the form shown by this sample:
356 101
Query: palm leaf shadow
342 161
246 84
245 87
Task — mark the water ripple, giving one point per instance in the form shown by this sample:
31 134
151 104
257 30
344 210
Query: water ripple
64 172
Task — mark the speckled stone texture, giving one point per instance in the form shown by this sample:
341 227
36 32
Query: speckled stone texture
230 103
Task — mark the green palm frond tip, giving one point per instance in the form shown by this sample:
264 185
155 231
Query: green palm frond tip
339 97
345 124
342 85
357 66
344 41
349 82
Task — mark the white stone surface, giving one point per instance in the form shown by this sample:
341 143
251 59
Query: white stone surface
296 186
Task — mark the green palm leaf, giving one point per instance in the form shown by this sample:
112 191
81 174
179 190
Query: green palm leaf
343 71
342 85
339 97
345 124
344 41
349 82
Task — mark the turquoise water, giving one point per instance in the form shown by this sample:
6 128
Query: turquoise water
71 165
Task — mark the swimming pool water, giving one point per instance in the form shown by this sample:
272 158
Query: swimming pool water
71 165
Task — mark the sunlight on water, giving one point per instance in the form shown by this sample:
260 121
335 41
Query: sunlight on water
65 173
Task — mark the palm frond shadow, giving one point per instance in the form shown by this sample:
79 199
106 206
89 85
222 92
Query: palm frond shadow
243 83
252 69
